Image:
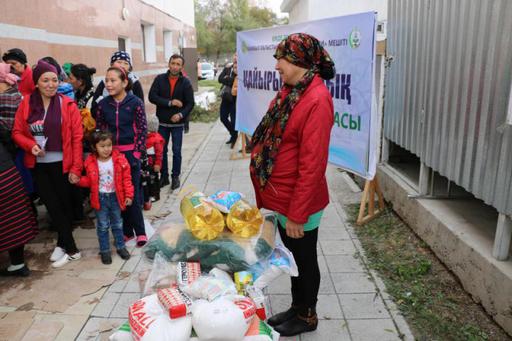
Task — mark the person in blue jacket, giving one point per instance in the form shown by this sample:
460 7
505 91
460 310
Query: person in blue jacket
122 113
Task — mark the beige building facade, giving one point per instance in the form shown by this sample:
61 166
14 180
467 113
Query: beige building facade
90 31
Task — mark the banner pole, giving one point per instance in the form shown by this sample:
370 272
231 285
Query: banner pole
371 187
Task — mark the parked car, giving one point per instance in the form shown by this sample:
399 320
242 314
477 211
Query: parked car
207 71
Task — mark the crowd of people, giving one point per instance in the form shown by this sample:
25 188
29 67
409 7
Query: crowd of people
50 134
68 143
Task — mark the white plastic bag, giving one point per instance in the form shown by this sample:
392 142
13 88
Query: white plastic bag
223 200
280 261
162 275
225 319
210 288
149 322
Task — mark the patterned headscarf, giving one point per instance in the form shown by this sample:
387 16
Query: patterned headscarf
305 51
121 55
302 50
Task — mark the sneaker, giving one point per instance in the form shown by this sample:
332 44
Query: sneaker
57 254
66 259
106 258
23 272
141 241
147 206
127 239
175 182
123 253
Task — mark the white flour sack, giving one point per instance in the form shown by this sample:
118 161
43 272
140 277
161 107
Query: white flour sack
150 322
225 319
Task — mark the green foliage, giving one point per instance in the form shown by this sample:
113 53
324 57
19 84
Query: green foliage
434 304
213 83
218 22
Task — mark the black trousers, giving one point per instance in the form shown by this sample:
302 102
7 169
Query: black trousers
228 117
56 192
304 287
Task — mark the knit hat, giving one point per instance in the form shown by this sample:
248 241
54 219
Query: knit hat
66 67
6 76
121 55
41 68
152 122
304 50
15 54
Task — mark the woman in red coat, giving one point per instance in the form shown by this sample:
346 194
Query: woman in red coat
48 128
288 164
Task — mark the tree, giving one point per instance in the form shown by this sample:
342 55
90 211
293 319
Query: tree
217 23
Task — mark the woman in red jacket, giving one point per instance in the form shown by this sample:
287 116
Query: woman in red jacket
288 164
110 180
48 128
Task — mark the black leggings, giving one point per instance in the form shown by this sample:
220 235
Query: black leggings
304 287
17 255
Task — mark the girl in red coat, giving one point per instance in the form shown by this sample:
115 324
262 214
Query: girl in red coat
109 178
288 163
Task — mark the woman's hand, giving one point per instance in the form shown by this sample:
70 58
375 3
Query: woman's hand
294 230
74 179
156 168
128 202
37 151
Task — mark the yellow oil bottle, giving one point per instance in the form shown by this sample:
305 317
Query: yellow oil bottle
244 220
203 220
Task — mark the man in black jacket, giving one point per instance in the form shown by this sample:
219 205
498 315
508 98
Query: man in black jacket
173 96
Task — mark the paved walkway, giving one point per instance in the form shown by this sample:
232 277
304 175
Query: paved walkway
352 304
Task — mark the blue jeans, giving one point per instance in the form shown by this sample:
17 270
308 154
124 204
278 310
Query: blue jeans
176 135
109 216
132 216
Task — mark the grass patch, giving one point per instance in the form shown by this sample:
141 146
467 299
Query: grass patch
429 296
199 114
210 83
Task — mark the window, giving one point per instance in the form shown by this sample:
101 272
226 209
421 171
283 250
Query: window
167 45
121 44
148 43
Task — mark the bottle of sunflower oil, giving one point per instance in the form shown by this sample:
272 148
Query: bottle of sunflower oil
244 220
203 220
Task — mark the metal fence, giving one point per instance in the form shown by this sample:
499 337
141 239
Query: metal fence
447 90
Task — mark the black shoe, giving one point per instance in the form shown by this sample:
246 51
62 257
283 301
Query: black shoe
123 253
106 258
277 319
229 141
23 272
175 182
164 182
304 321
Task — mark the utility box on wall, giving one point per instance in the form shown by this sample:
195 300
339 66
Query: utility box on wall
190 54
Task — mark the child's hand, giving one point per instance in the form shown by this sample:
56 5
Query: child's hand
156 168
128 202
